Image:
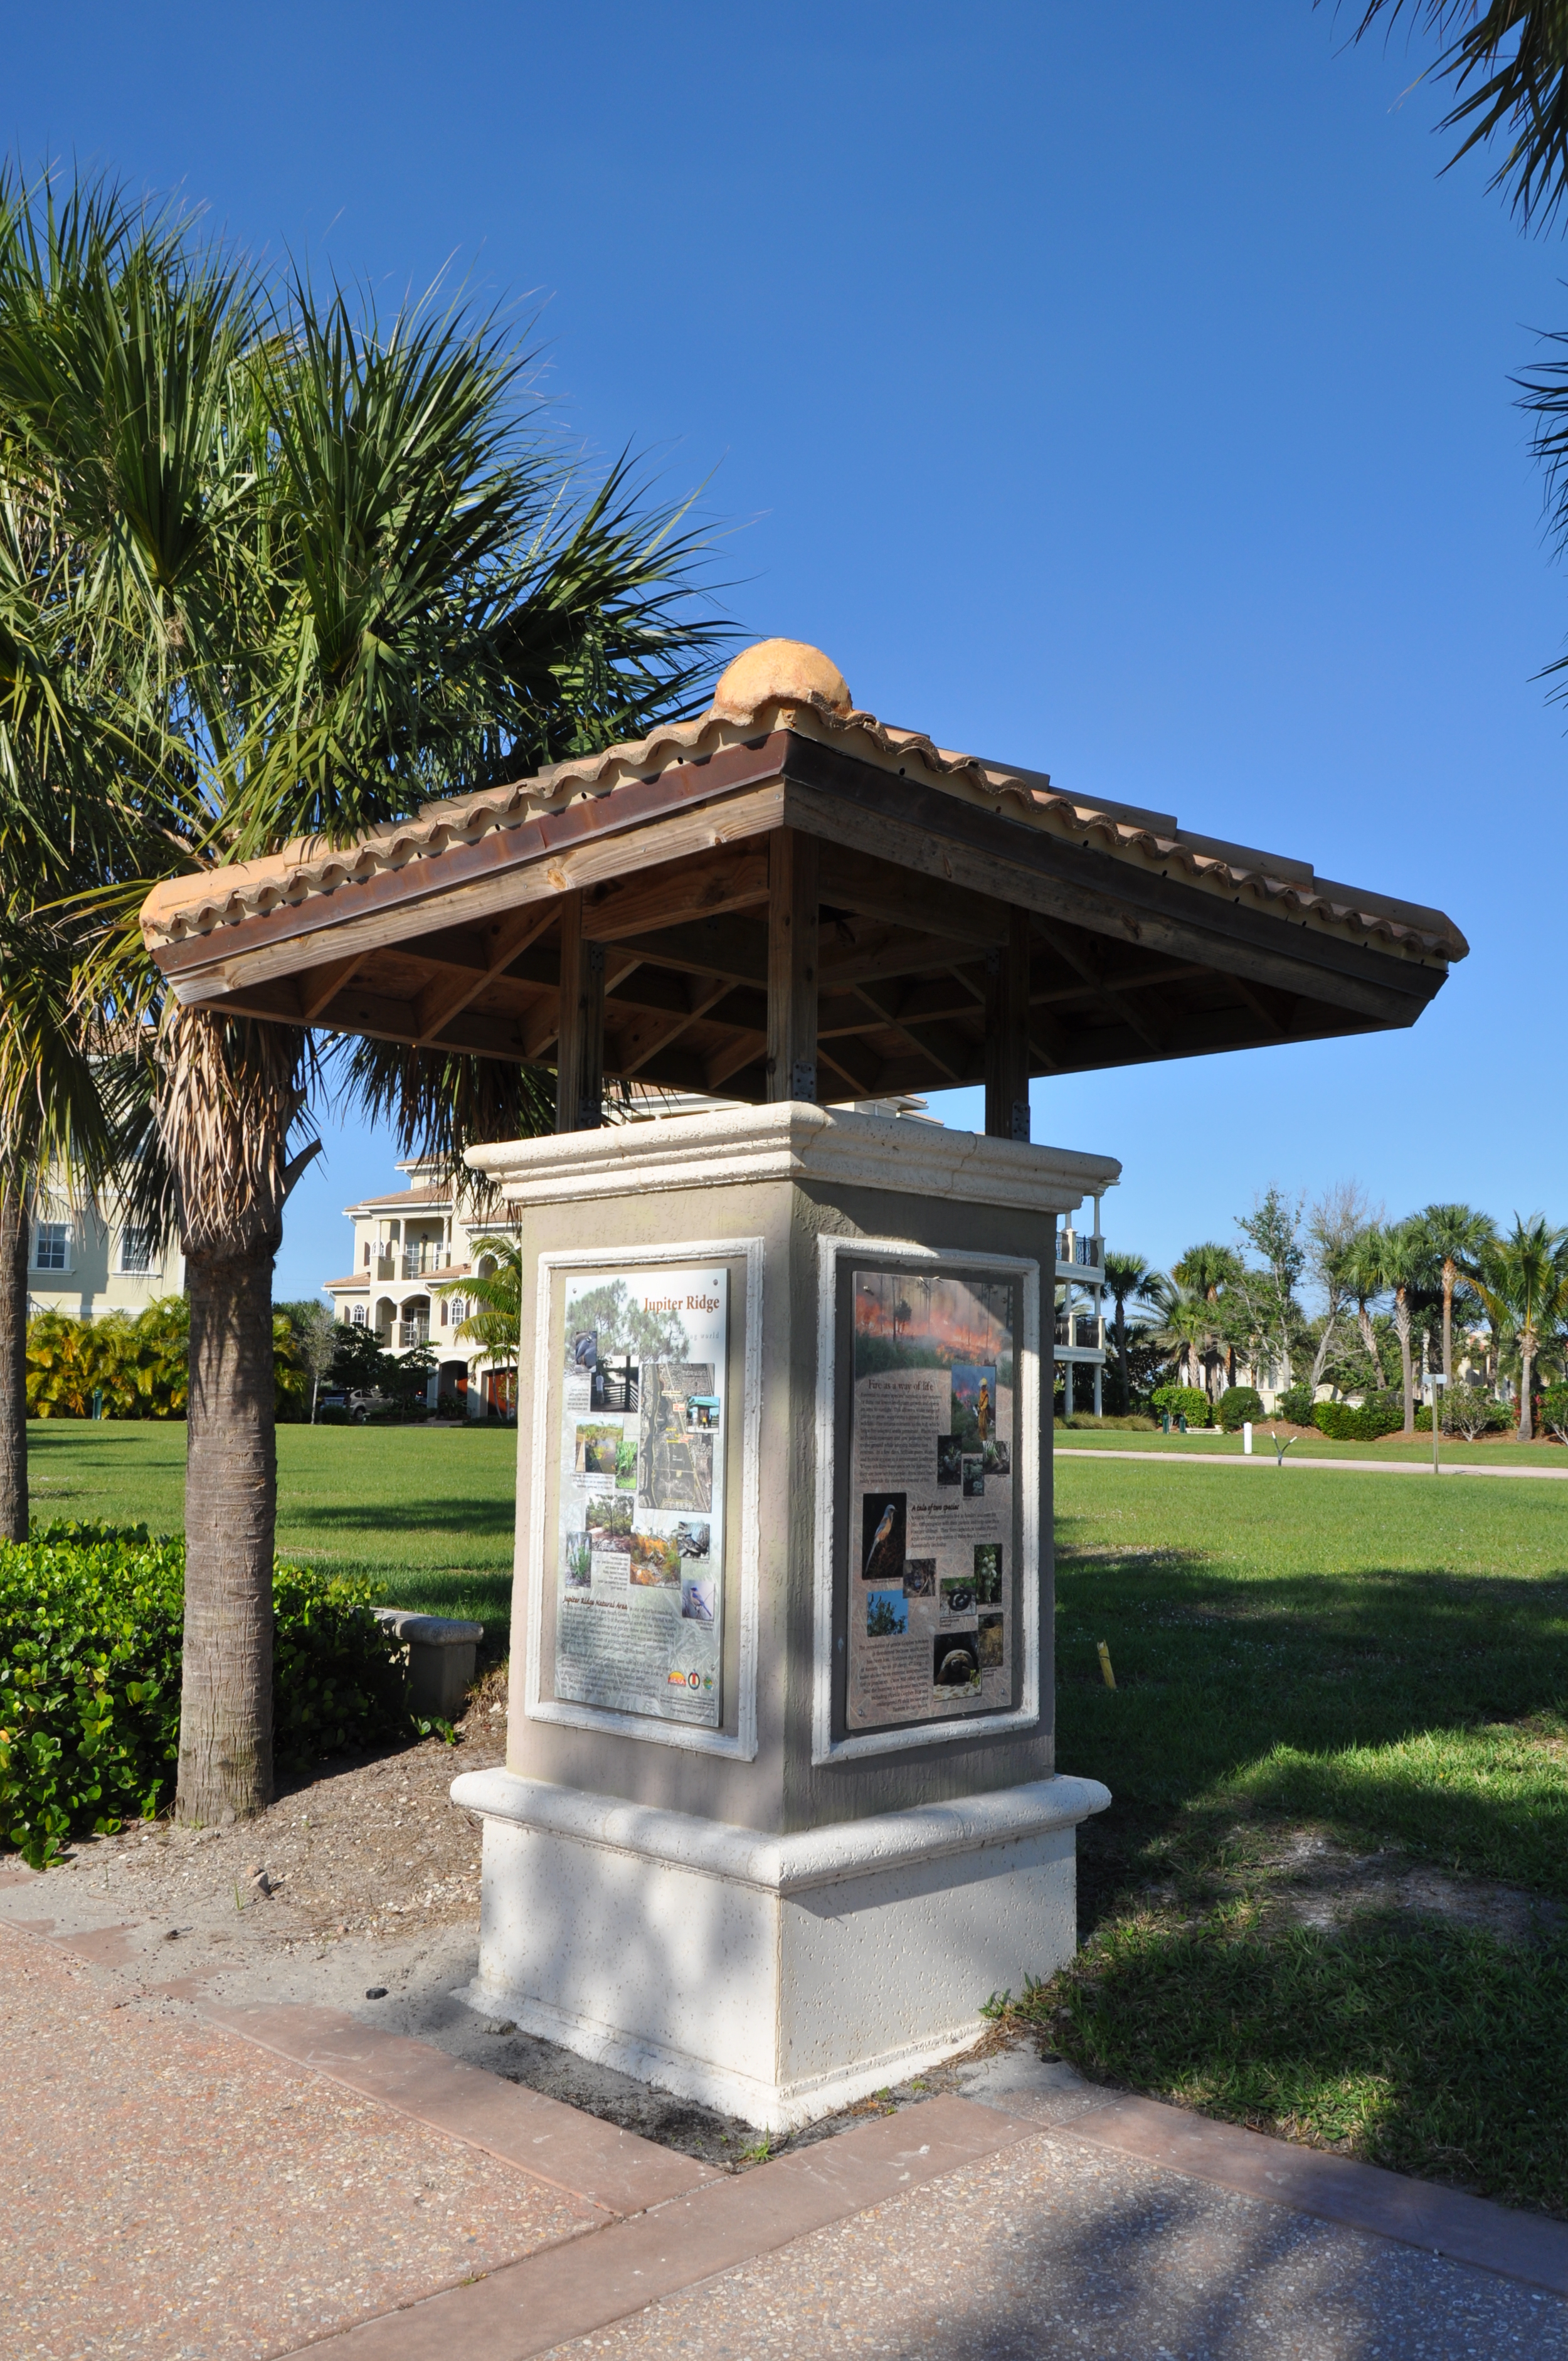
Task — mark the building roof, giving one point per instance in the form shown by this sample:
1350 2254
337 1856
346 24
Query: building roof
412 1198
1145 939
183 907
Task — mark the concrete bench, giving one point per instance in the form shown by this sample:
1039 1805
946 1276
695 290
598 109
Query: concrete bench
443 1652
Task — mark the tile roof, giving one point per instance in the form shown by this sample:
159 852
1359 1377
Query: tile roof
184 907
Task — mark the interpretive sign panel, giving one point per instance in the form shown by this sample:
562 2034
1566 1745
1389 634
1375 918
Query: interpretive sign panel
639 1572
933 1450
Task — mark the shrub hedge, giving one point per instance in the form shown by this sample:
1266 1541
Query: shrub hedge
1347 1422
1237 1404
1297 1404
90 1620
1190 1402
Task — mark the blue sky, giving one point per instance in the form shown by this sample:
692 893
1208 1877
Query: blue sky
1119 390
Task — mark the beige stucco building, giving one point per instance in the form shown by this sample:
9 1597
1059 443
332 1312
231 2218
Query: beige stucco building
87 1259
408 1245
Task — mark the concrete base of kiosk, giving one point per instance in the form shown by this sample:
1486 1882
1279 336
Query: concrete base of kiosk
783 1910
776 1978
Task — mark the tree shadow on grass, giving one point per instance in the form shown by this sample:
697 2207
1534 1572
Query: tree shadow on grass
470 1517
1387 1702
1422 2046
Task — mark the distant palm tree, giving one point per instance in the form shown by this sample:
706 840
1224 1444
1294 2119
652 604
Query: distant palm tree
1457 1234
1186 1322
1128 1278
1522 1279
1365 1279
1206 1270
1409 1265
496 1295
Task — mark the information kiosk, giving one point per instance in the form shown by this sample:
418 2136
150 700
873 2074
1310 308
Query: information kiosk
781 1807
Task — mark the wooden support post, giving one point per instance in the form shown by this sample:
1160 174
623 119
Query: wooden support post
1007 1033
792 964
579 1048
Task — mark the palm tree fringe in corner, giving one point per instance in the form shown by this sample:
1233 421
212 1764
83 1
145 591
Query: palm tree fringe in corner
342 567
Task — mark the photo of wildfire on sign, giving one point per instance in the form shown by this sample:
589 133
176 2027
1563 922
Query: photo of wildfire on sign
933 1443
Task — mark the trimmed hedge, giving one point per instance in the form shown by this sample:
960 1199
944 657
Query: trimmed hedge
90 1624
1237 1404
1379 1414
1297 1404
1190 1402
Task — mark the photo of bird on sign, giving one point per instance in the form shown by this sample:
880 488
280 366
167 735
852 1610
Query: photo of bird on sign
884 1517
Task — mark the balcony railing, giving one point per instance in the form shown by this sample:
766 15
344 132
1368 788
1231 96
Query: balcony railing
417 1260
413 1332
1086 1252
1090 1337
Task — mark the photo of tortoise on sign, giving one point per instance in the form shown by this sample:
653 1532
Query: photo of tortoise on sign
932 1446
640 1538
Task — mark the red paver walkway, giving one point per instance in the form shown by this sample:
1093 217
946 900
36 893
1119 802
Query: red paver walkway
169 2190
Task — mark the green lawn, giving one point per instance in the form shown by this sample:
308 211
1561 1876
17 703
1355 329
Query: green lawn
426 1514
1383 1665
1210 1442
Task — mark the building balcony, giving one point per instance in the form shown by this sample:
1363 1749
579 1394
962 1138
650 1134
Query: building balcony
413 1332
417 1260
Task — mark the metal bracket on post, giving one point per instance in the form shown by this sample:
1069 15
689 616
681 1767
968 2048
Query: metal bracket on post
1021 1119
803 1080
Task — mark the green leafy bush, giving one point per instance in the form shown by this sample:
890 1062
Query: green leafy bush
1237 1404
1190 1402
90 1621
1347 1422
1553 1411
1297 1404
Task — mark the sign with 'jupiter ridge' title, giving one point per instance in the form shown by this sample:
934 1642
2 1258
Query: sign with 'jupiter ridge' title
640 1559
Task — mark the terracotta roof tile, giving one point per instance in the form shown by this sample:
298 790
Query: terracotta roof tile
183 907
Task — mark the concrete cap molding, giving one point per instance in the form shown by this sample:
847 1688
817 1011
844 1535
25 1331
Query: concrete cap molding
792 1140
784 1865
430 1631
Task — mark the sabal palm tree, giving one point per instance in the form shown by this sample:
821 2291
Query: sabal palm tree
1206 1270
1409 1264
342 578
1127 1279
1522 1279
495 1296
1458 1233
1186 1322
1366 1280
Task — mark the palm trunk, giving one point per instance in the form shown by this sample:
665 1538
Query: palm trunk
14 1226
1448 1276
1369 1338
1407 1373
1527 1364
228 1094
231 1501
1122 1355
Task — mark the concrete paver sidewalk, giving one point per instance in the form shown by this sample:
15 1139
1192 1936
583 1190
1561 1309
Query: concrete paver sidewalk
276 2179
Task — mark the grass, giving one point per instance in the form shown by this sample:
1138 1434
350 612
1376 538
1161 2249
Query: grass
426 1514
1382 1667
1209 1443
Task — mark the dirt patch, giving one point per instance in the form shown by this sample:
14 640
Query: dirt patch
374 1847
1311 1882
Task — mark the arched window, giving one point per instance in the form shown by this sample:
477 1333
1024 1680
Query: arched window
359 1315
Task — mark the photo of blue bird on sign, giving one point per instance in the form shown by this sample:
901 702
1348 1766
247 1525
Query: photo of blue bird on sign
884 1517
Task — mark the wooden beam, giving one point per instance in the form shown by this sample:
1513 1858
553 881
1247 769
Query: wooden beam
579 1058
509 936
1119 996
858 880
791 965
651 1031
933 1041
706 885
1007 1033
321 985
746 1049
